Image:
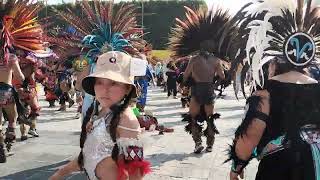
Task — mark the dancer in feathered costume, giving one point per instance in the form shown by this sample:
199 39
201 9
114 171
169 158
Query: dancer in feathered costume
207 35
101 30
20 30
30 64
115 70
67 45
281 127
50 81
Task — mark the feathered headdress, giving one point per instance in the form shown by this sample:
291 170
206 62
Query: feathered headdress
214 27
20 28
288 30
103 28
65 43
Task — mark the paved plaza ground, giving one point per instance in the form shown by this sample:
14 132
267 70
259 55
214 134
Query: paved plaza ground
170 154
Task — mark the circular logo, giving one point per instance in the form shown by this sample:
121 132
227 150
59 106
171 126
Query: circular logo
300 49
113 60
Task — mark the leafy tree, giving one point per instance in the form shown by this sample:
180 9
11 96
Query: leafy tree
159 17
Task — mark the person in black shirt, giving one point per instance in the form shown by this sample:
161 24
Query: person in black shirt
281 126
172 79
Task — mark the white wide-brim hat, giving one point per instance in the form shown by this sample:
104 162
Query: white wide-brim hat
116 66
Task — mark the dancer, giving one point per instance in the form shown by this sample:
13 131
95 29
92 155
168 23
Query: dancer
80 65
206 35
172 75
94 40
281 127
112 125
27 91
50 85
64 86
143 84
17 32
159 73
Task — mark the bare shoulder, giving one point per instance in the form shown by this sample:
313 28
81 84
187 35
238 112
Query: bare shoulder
262 93
129 120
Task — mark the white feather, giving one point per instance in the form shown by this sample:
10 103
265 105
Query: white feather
272 6
258 40
238 52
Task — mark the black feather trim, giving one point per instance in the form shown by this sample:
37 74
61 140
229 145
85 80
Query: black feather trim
188 128
232 155
231 152
253 104
210 123
186 117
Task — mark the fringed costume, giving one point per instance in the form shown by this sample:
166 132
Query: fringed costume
20 30
287 33
206 36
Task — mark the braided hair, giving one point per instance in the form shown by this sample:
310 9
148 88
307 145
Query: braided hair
116 109
83 136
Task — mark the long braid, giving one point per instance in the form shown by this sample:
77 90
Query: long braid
117 110
83 135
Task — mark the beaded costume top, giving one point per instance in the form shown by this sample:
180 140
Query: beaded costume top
98 145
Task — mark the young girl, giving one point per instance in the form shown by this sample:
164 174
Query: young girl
110 144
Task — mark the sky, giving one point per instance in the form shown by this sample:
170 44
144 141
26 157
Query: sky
233 5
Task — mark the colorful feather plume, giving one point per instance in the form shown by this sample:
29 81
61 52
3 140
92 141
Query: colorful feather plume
21 29
105 28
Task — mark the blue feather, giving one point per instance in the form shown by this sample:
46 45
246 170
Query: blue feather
103 36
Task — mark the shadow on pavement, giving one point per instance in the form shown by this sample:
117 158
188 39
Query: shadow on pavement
42 173
157 160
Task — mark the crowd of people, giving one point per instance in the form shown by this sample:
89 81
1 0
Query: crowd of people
102 64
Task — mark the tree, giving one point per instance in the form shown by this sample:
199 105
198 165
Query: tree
159 17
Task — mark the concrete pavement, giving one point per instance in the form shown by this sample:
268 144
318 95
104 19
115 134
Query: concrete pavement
170 154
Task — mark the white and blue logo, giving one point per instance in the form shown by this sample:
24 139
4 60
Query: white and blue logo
300 49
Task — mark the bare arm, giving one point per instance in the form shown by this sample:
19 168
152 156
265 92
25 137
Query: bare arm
219 70
129 120
248 142
17 73
69 168
188 71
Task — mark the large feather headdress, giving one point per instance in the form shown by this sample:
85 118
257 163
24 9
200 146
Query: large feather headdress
214 26
67 42
105 28
20 27
288 30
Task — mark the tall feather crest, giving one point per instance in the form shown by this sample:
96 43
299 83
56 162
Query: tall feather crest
199 26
